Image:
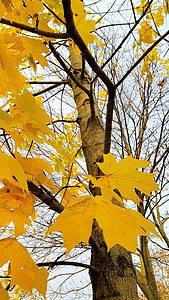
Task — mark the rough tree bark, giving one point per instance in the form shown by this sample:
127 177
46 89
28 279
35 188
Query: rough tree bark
116 278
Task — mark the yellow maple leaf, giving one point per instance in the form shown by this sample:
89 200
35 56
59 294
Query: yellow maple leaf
120 226
13 197
32 51
14 50
30 117
21 11
9 67
18 218
24 271
12 171
124 176
3 293
34 166
146 33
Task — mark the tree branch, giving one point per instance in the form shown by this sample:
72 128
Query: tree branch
66 263
142 57
73 33
48 89
109 118
67 70
159 141
49 200
48 82
125 38
34 29
150 278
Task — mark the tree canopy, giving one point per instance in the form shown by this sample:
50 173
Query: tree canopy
83 123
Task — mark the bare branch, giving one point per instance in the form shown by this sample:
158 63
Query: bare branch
67 70
109 118
48 89
66 263
44 197
73 33
48 82
126 37
34 29
142 57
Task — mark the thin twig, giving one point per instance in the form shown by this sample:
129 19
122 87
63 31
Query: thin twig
142 57
65 121
125 38
47 89
48 82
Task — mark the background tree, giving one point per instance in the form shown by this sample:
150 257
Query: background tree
122 75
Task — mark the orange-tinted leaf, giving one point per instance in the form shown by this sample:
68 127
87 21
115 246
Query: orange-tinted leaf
34 167
12 171
24 271
13 197
3 293
18 218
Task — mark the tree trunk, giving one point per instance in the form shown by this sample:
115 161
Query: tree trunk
116 278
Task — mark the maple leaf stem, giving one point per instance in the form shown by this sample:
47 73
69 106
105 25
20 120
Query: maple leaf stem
34 29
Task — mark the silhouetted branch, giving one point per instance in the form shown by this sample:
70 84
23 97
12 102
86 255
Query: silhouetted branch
66 263
73 33
48 89
142 57
109 117
34 29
